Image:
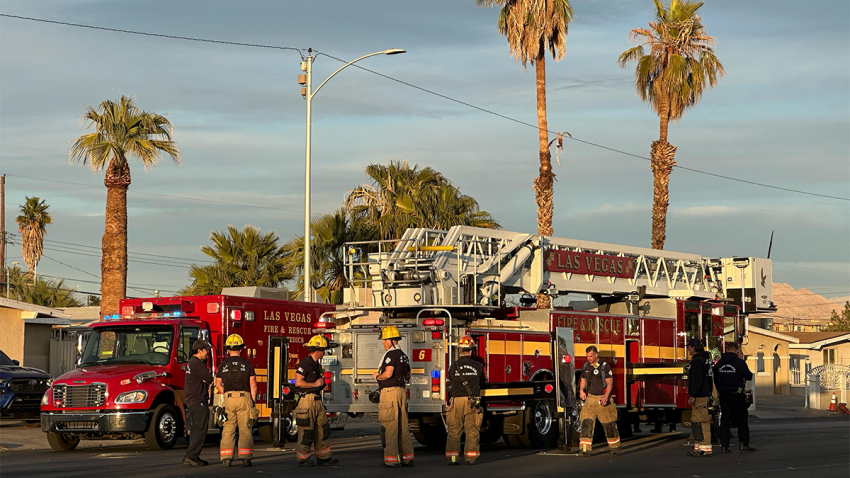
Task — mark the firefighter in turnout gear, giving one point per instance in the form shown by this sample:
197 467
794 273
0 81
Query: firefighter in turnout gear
597 381
464 413
730 373
237 381
392 376
310 415
699 389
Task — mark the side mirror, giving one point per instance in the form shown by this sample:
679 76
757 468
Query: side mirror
16 363
205 335
79 345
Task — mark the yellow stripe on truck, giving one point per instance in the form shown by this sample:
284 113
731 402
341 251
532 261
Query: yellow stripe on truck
370 371
504 392
658 371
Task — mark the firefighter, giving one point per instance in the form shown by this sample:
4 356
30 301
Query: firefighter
392 376
237 381
730 373
699 389
597 381
197 399
464 413
314 429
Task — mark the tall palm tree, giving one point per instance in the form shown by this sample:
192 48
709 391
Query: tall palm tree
532 27
241 259
121 131
32 225
672 77
331 232
402 196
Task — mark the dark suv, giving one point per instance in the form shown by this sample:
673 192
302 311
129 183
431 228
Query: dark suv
21 389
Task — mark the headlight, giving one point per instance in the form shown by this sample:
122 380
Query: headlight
138 396
45 399
3 381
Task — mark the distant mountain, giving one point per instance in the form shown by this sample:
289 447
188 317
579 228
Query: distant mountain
841 300
800 307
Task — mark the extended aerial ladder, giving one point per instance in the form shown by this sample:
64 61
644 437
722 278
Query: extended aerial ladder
473 268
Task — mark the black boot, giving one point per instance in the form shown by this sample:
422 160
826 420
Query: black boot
225 463
743 447
246 462
329 461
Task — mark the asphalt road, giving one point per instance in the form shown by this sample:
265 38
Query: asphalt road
812 447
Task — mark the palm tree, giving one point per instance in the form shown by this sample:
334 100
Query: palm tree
679 67
241 259
31 224
402 196
47 293
331 232
122 130
532 27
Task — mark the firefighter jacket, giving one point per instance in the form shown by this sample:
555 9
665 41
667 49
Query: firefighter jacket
466 375
699 375
730 373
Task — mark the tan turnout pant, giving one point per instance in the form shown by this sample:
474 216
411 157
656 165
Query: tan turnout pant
395 435
463 418
607 415
238 406
701 425
314 429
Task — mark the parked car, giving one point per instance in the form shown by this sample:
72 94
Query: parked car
21 389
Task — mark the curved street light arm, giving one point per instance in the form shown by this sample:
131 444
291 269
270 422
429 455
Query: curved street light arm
383 52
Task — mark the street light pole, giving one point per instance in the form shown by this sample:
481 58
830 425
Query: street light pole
309 93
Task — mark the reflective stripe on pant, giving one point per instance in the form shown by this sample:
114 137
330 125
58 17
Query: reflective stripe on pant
701 425
313 429
395 434
238 406
607 415
463 418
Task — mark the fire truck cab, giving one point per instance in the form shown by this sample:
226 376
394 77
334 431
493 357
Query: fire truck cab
130 377
639 307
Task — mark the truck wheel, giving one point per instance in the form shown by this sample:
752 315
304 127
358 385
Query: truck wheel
432 437
266 432
62 442
164 429
290 428
488 437
541 428
31 423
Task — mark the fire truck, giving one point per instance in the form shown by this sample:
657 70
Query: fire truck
129 381
638 306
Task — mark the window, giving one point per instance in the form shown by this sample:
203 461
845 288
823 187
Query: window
706 327
691 325
760 362
729 334
828 356
188 336
150 345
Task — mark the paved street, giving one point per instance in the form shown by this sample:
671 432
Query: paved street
816 447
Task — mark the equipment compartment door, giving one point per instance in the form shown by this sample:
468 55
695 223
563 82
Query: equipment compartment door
565 377
278 378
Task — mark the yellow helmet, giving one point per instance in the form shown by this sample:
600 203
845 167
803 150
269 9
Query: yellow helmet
234 342
466 343
390 332
318 342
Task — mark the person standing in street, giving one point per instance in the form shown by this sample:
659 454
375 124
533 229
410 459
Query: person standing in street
730 373
314 429
699 389
392 376
197 399
237 381
597 382
464 413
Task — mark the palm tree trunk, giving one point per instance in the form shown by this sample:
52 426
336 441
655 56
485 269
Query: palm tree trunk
113 265
544 183
662 162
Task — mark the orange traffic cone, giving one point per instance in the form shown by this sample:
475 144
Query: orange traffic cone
832 403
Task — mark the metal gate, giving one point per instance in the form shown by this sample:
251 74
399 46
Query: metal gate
63 349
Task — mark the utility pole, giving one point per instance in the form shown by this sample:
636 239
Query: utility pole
3 228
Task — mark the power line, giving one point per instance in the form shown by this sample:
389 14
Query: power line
446 97
170 196
88 273
173 37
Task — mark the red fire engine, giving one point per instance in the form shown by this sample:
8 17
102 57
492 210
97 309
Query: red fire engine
638 306
129 382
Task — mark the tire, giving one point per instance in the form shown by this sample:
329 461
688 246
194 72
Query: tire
541 427
62 442
432 437
165 428
487 438
266 432
290 428
31 423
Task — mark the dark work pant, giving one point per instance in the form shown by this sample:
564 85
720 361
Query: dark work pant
199 418
733 405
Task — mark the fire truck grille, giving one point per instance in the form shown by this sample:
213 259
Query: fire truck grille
25 385
80 396
77 426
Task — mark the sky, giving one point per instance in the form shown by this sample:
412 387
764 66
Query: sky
780 116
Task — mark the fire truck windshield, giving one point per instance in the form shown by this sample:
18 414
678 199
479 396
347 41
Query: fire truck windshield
150 345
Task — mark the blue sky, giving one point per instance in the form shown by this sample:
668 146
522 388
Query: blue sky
781 116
